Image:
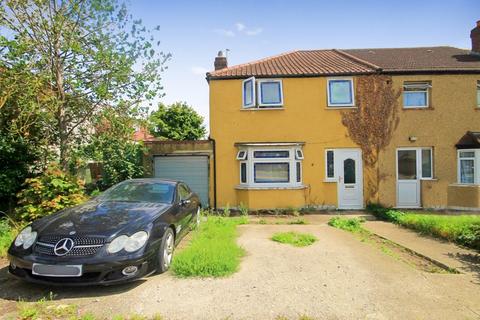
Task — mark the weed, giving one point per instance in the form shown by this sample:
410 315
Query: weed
262 221
226 210
297 221
294 238
243 209
349 224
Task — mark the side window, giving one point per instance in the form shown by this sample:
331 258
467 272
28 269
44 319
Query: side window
183 192
329 165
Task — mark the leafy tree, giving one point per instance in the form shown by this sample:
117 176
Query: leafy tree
112 145
176 122
88 54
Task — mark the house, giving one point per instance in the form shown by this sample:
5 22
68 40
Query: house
280 141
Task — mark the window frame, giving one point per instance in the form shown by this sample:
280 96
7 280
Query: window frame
478 93
261 104
293 180
352 90
426 91
476 166
254 99
327 178
420 154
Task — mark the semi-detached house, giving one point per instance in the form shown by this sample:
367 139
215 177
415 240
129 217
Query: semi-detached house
280 141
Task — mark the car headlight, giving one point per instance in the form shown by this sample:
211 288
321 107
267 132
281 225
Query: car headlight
129 244
26 238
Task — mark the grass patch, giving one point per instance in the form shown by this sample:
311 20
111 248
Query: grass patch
7 235
213 251
297 221
348 224
461 229
294 238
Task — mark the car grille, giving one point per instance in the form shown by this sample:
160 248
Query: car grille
83 245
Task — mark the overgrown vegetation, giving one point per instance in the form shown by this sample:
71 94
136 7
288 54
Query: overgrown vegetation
52 191
349 224
461 229
294 238
213 251
7 234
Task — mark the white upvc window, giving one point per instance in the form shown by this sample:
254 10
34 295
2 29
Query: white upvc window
416 95
270 93
426 158
478 93
330 165
340 92
263 93
468 166
248 93
271 167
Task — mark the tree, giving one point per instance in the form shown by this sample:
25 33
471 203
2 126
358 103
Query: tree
112 145
176 122
90 54
372 123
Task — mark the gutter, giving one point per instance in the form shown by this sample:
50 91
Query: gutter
214 172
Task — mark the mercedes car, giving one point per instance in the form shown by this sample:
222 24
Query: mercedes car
126 233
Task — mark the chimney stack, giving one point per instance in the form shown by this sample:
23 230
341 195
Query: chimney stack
221 61
475 36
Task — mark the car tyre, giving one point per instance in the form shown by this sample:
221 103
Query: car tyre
165 253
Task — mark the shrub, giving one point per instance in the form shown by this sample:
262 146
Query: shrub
7 234
50 192
378 211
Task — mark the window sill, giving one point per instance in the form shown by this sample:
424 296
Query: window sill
429 179
262 109
241 187
340 107
417 108
329 180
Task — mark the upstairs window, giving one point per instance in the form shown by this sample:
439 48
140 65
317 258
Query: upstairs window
265 93
478 93
340 92
415 95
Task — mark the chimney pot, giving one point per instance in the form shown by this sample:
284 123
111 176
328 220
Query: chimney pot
220 61
475 36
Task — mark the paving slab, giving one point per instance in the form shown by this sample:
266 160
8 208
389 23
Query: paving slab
462 259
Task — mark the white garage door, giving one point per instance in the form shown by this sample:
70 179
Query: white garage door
193 170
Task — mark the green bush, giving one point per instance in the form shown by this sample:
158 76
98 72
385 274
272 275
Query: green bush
7 234
50 192
378 211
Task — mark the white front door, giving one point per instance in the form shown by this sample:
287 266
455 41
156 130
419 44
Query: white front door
408 178
348 165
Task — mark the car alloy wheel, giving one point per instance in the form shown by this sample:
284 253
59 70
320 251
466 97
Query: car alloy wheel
168 251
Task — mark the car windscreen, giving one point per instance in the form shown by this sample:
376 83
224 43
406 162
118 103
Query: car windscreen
140 191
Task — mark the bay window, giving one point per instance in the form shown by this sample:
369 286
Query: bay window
270 167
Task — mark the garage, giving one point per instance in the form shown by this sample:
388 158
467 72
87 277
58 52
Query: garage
191 169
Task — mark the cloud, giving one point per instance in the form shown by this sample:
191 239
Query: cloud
224 32
240 26
199 70
253 32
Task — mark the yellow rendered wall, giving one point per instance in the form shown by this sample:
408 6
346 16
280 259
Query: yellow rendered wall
453 112
463 196
304 118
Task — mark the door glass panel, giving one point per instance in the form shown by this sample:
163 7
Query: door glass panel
407 164
349 171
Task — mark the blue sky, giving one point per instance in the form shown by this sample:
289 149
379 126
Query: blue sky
194 31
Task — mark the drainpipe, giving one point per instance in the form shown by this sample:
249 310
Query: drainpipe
214 172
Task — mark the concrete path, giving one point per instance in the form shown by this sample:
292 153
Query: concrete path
464 260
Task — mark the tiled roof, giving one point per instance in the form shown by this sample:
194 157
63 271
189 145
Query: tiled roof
296 63
354 61
419 59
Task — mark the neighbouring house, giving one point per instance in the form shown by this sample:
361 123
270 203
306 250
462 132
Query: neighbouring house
280 141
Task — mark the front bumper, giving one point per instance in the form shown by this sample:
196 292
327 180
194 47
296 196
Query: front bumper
94 273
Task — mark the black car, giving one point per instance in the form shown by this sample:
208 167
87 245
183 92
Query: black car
128 232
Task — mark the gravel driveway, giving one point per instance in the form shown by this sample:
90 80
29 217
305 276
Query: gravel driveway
338 277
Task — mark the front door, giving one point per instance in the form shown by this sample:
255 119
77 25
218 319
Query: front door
408 178
348 164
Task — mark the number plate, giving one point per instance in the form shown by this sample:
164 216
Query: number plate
57 270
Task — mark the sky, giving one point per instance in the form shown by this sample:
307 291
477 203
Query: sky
194 31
